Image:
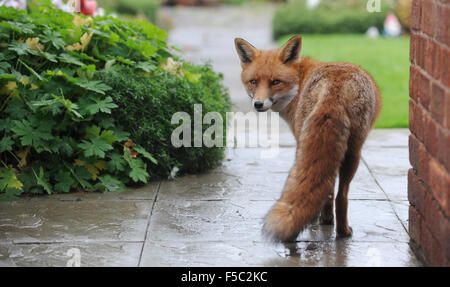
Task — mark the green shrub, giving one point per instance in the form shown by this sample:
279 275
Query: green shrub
331 16
149 8
146 106
60 124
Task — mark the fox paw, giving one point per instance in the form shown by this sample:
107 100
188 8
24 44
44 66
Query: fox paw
326 220
279 224
345 232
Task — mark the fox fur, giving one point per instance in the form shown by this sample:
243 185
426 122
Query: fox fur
330 108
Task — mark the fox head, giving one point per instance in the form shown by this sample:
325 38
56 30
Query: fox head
271 78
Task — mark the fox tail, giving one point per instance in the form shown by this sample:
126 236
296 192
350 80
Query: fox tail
320 151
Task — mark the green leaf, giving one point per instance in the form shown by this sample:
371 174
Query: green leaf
26 28
4 67
6 143
54 37
81 175
8 179
65 181
146 66
30 135
146 154
108 136
30 69
42 181
66 58
95 86
95 147
138 168
110 184
104 105
117 163
21 48
92 132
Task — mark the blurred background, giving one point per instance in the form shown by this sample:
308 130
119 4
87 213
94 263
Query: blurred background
371 33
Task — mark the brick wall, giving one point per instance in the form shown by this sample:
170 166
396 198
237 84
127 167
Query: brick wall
429 122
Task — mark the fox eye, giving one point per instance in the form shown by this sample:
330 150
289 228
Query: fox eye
275 82
253 82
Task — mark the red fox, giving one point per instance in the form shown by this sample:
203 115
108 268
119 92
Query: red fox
330 108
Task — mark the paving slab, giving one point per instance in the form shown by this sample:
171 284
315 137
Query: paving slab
90 254
389 166
371 220
45 221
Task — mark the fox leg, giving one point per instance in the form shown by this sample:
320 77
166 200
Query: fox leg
346 173
327 215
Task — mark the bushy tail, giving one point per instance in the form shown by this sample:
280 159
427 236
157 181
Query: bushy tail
320 151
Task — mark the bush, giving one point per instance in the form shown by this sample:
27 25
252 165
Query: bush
147 104
331 16
149 8
61 128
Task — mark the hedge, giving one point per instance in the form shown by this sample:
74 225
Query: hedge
68 120
148 8
330 16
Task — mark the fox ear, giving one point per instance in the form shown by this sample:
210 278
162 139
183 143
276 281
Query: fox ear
291 50
245 50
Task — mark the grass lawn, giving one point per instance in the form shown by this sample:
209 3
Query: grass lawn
387 60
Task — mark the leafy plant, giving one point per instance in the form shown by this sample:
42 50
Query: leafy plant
59 123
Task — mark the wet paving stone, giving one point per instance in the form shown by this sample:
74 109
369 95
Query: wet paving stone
371 220
245 175
67 254
390 167
207 220
380 138
308 254
63 221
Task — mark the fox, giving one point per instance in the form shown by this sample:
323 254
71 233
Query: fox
330 109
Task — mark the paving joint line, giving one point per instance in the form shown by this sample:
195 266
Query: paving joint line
385 194
148 222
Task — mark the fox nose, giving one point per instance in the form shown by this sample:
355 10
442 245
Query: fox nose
258 105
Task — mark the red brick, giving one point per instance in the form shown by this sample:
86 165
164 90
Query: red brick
432 64
442 32
415 14
437 104
413 83
424 91
444 64
416 120
413 151
431 136
435 62
421 50
429 56
429 15
444 148
416 191
439 182
447 111
412 48
436 223
414 223
423 165
431 247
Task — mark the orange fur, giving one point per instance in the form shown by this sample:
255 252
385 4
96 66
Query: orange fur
333 108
